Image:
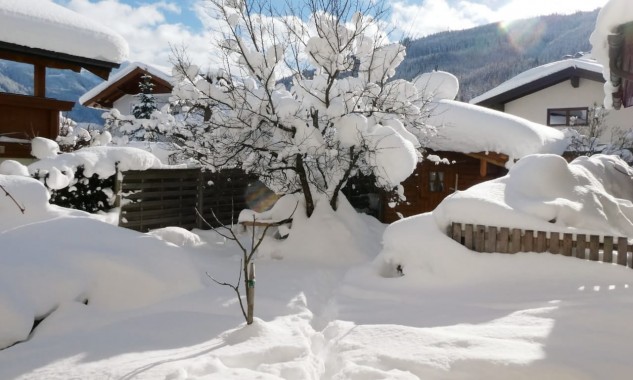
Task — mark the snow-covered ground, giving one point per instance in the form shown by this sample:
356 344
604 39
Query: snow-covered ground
117 304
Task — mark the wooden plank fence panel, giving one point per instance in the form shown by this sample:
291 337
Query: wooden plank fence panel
515 241
607 249
503 240
568 244
581 246
622 251
491 246
480 238
554 243
594 248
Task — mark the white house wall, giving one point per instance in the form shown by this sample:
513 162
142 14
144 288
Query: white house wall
534 107
127 102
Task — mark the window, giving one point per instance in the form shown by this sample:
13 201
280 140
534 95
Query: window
567 116
436 182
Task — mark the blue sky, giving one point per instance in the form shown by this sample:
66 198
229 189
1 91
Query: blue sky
151 26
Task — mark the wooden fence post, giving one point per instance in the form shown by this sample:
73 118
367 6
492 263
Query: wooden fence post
468 238
607 249
528 241
554 243
457 232
503 240
594 247
622 250
492 240
581 245
568 244
480 238
541 241
516 241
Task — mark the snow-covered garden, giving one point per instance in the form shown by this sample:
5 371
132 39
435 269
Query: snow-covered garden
341 296
114 303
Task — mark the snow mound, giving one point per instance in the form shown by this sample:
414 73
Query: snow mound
26 193
177 236
12 167
468 128
437 85
100 160
44 148
543 192
322 237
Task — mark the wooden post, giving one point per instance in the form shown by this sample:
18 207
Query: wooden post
39 81
516 241
622 250
468 239
528 241
483 167
554 243
504 237
607 249
492 240
457 232
480 238
541 241
581 245
568 244
594 247
200 201
250 294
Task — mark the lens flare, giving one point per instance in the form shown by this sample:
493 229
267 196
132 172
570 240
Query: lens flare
259 198
523 34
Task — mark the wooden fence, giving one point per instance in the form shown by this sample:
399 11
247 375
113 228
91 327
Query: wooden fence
505 240
158 198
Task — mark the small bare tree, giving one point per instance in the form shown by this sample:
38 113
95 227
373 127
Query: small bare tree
247 266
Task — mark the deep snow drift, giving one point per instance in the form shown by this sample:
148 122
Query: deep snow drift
125 305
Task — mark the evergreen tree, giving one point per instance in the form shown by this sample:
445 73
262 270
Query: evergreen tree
147 104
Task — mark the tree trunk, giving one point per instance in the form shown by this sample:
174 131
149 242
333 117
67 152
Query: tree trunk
305 185
250 294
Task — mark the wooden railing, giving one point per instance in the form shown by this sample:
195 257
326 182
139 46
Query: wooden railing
481 238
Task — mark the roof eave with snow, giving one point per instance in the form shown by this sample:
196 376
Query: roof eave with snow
34 28
539 78
95 97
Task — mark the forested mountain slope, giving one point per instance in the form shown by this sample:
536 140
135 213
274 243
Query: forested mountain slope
485 56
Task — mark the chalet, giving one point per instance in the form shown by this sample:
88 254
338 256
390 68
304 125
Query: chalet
557 94
121 90
47 35
472 144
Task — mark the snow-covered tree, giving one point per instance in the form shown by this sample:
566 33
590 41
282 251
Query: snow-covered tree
147 102
304 100
595 137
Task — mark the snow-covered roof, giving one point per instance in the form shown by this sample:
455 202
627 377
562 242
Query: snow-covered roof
613 14
540 72
468 128
51 27
154 71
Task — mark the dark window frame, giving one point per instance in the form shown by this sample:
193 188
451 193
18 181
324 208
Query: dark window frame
568 116
436 182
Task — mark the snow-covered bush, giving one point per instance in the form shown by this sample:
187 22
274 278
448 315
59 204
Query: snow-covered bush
338 114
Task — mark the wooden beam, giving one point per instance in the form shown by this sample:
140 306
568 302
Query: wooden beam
483 167
575 81
39 81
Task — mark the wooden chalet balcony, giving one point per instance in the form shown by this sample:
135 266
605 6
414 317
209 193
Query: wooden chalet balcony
25 117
